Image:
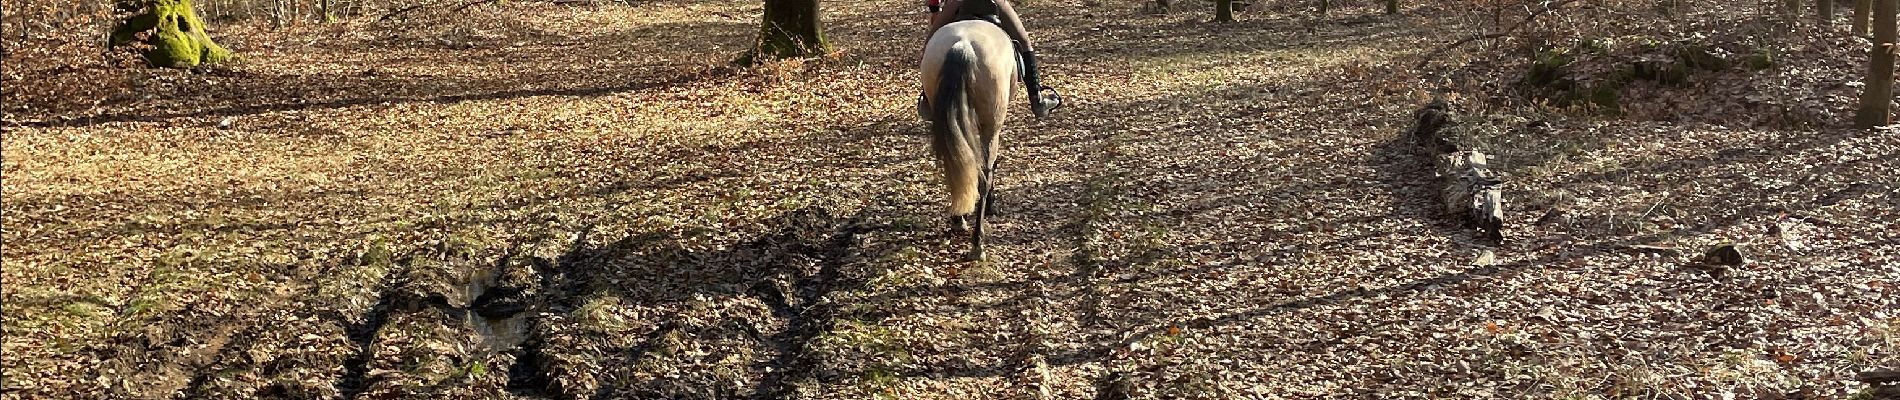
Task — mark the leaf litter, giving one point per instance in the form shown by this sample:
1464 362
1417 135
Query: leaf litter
1222 212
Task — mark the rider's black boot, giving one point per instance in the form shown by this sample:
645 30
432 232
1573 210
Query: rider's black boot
1039 102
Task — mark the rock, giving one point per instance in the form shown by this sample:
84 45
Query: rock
1725 254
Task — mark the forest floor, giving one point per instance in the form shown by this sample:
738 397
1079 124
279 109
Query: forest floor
529 200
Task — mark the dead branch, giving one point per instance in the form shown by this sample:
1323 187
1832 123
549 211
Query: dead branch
458 8
1467 184
1429 56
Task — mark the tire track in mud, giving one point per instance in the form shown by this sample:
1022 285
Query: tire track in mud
724 323
807 311
361 335
453 322
445 320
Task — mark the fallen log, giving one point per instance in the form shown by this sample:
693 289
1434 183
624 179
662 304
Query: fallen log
1470 188
1883 383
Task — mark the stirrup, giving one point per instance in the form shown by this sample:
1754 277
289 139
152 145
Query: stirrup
923 107
1047 100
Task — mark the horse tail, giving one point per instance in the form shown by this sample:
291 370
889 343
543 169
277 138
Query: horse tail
953 128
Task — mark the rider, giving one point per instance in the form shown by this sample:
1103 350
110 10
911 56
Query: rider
1000 12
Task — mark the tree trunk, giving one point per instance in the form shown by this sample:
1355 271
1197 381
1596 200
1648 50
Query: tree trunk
172 30
1391 7
1861 9
790 29
1323 5
1824 12
328 16
1223 10
1876 102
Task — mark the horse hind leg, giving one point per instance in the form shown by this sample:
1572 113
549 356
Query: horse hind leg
982 207
991 207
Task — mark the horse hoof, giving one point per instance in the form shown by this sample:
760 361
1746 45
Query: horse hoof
958 225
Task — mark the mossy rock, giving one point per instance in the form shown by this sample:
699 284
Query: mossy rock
173 33
1701 57
1664 72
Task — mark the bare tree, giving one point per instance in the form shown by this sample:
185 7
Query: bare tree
1876 101
1861 9
1824 12
790 29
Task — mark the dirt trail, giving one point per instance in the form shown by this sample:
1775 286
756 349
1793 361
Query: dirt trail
585 203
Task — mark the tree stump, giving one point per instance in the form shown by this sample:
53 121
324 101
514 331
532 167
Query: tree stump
170 32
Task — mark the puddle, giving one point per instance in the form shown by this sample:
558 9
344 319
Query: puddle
501 334
501 321
499 314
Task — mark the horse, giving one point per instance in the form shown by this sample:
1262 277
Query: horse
969 74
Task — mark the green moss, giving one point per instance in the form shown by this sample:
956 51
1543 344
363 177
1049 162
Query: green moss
173 32
1760 60
1599 45
1550 69
1608 97
1651 44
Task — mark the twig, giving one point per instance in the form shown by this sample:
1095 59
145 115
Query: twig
458 8
465 6
393 14
1520 24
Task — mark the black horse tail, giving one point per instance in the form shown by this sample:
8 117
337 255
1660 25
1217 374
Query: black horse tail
955 136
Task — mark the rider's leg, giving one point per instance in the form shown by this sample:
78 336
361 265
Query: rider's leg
942 17
1039 103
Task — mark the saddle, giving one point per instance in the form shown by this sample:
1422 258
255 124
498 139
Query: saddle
981 10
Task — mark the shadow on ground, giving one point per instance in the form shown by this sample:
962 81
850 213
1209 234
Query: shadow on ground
650 316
